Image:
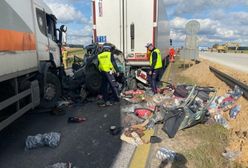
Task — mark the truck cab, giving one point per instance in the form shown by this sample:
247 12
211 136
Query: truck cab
30 58
46 33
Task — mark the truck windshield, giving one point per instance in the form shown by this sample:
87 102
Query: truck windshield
51 28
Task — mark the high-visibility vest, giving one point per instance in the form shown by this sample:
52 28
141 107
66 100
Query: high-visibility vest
158 61
105 63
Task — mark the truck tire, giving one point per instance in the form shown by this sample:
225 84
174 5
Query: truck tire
93 82
52 91
93 78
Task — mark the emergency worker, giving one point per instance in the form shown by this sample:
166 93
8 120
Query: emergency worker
156 66
108 67
64 57
172 55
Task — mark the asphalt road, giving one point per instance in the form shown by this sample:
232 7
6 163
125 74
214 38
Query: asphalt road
232 60
86 145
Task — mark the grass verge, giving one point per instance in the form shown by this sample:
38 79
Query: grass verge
212 141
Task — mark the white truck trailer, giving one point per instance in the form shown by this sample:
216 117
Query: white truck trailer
30 58
130 25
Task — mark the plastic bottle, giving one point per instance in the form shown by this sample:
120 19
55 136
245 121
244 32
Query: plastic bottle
165 154
234 111
236 93
221 120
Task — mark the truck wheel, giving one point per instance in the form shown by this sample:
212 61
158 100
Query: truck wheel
93 82
52 91
93 78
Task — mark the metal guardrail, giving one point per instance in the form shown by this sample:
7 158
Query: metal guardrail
230 81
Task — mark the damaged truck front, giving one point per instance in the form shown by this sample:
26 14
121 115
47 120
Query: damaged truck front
30 58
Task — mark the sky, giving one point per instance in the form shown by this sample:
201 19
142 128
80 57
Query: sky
220 21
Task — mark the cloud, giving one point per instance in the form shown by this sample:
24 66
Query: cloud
211 31
194 7
80 36
67 13
221 21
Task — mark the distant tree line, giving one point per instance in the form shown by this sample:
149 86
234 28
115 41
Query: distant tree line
75 45
231 48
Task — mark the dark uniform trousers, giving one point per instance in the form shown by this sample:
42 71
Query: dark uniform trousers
109 81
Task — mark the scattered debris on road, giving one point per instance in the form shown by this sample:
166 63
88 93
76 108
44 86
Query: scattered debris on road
201 74
114 130
76 119
155 139
51 139
61 165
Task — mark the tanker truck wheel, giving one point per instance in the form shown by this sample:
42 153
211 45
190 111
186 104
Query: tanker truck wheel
52 91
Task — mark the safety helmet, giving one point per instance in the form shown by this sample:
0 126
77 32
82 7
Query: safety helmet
148 45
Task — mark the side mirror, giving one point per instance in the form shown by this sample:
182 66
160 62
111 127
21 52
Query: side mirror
63 28
62 35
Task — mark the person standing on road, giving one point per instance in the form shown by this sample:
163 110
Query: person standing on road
108 67
156 66
172 55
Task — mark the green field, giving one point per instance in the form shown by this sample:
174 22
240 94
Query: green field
79 52
76 51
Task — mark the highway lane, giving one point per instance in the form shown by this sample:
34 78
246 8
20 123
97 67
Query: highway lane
233 60
86 145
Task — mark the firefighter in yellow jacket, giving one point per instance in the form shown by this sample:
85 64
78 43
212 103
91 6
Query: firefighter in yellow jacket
64 57
108 67
156 66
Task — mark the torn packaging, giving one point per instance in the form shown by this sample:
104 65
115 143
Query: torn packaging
133 136
138 131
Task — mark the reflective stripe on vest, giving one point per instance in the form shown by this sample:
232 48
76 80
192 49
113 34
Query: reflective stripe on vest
158 61
105 63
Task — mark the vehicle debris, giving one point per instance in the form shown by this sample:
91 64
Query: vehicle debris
114 130
176 110
61 165
76 119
